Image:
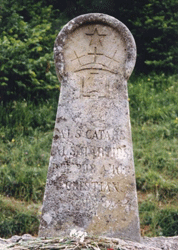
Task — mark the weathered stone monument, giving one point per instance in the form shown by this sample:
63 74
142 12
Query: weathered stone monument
91 179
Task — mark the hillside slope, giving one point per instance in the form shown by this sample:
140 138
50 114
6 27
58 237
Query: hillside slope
26 135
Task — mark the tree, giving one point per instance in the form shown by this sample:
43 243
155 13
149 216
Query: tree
28 30
26 54
153 23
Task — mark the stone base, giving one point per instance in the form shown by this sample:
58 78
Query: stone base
28 242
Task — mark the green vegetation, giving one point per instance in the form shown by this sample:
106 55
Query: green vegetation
29 92
154 115
28 30
153 23
17 217
25 142
26 54
26 135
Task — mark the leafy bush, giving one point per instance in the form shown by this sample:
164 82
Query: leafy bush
28 31
153 23
26 55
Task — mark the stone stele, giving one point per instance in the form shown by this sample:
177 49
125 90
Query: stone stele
91 179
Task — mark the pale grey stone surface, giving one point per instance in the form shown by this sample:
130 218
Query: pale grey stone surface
91 178
156 243
163 243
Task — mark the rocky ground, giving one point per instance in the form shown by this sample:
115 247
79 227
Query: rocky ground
28 242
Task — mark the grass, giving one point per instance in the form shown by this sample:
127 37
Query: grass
155 133
24 166
154 116
158 218
26 136
18 217
26 141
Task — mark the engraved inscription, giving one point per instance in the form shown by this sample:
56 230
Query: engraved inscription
91 134
94 55
87 186
67 167
61 133
117 152
98 87
95 37
91 182
112 58
86 203
116 169
77 57
107 135
79 201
